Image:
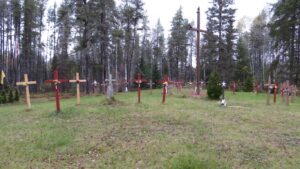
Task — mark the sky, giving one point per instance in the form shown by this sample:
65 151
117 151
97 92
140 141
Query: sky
166 9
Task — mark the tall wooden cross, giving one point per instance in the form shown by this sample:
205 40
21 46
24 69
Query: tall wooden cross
26 83
198 70
110 88
77 81
139 81
56 83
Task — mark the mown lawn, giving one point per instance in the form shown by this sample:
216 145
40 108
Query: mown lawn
185 132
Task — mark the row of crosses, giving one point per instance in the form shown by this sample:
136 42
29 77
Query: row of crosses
55 81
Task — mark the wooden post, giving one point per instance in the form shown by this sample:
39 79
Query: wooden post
269 88
165 83
77 81
198 70
110 88
139 81
233 87
287 92
275 91
56 83
26 83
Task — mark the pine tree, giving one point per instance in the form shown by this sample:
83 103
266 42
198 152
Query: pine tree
248 84
177 52
220 36
214 88
242 68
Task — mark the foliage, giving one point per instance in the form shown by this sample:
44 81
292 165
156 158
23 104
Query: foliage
3 97
17 96
219 39
11 96
248 84
214 88
191 162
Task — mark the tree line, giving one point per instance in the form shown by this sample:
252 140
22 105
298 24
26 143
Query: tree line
100 37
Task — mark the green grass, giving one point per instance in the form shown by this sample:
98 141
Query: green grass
185 133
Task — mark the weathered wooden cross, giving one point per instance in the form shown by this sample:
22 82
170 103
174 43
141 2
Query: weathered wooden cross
178 85
286 91
233 87
56 83
110 88
77 81
139 81
269 89
165 83
151 83
26 83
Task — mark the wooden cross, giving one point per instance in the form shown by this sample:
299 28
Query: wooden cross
77 81
165 83
110 88
95 84
26 83
270 87
178 85
151 83
287 92
104 87
233 87
56 82
139 81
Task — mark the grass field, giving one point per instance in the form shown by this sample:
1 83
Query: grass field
184 133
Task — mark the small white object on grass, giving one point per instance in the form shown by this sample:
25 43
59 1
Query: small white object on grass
223 102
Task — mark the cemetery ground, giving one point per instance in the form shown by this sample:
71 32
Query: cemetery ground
185 132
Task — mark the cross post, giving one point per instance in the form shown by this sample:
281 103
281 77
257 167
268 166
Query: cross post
269 89
233 87
77 81
165 83
26 83
56 83
139 81
198 70
110 88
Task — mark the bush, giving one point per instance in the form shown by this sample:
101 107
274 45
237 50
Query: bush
214 88
11 97
248 84
17 96
3 95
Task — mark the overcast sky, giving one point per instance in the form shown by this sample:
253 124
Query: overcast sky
166 9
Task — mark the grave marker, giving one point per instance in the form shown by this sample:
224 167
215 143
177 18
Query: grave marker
77 81
139 81
165 83
56 83
269 89
26 83
233 87
110 88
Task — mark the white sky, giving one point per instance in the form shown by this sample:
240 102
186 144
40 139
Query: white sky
166 9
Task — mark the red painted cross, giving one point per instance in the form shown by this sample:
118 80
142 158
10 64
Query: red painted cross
139 81
178 85
56 82
233 87
165 83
